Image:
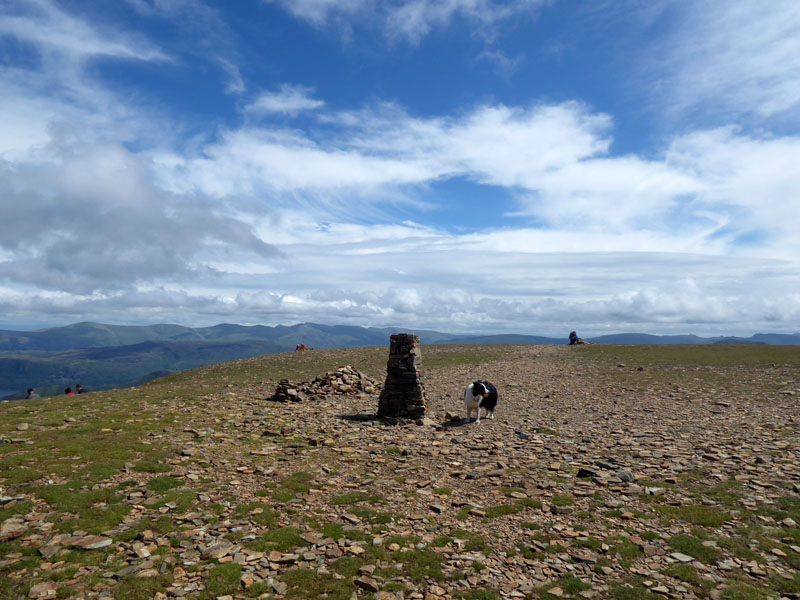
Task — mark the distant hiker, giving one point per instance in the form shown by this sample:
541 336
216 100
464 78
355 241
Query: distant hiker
31 394
574 339
303 347
79 389
69 392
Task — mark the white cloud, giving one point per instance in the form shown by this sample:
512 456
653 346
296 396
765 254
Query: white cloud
409 19
732 58
88 217
191 231
289 100
43 24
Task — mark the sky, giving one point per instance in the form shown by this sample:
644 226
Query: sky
470 166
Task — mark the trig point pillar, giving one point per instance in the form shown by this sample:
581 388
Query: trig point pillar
403 394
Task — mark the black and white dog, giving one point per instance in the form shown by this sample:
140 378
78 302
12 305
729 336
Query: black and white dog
480 395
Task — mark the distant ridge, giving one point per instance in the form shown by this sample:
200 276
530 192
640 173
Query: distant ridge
511 338
647 339
102 356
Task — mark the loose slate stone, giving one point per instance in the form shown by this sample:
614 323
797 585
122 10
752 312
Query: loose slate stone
680 557
91 542
367 583
12 529
46 589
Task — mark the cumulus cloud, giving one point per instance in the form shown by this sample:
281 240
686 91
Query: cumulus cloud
258 222
90 218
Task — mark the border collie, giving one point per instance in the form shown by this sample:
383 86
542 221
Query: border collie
480 395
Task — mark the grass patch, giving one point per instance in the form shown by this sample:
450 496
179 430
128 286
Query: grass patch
743 591
356 497
294 485
95 520
697 514
562 500
163 483
282 539
264 516
632 591
474 543
347 566
692 546
421 564
570 585
305 584
493 512
68 497
688 574
141 588
224 579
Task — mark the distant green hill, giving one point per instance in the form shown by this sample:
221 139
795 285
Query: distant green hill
119 366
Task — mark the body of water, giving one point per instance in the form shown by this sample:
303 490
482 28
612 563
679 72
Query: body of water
4 393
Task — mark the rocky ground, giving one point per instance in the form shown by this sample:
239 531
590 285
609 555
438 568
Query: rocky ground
605 474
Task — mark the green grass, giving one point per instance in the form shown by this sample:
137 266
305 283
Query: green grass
693 547
356 497
163 483
570 585
141 588
282 539
493 512
347 566
95 520
475 541
70 498
697 514
633 591
224 579
562 500
294 485
743 591
268 517
419 565
305 584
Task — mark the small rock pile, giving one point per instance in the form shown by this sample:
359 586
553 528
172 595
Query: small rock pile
344 381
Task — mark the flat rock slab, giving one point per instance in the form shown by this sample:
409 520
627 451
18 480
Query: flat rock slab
91 542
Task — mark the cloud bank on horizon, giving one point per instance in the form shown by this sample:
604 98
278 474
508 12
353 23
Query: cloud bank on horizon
521 166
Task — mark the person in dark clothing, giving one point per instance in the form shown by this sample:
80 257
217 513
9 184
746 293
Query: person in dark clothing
31 394
79 389
573 338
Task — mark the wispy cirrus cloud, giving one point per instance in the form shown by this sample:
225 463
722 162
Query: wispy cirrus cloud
60 35
411 20
730 59
288 100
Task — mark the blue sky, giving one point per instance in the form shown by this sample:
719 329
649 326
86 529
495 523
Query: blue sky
524 166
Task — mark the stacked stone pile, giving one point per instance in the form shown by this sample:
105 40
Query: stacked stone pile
344 381
403 393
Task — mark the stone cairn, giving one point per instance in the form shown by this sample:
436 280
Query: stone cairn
345 381
403 394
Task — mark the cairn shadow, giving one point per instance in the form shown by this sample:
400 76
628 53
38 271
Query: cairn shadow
360 417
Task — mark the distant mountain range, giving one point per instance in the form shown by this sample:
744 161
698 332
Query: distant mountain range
103 356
